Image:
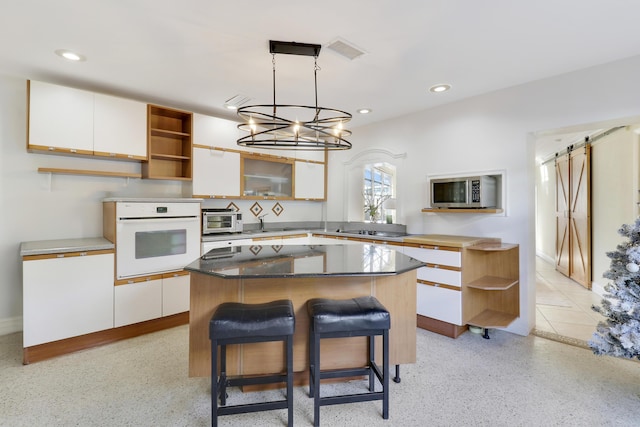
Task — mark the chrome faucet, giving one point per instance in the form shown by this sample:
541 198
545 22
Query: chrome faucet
261 219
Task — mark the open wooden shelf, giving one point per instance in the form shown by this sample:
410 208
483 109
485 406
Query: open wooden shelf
170 133
492 283
89 172
169 157
492 319
491 294
169 144
463 210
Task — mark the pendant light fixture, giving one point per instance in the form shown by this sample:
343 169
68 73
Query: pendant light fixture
294 127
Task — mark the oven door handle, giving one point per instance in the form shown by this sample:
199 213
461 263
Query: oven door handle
156 220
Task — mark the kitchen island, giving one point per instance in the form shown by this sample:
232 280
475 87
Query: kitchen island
257 274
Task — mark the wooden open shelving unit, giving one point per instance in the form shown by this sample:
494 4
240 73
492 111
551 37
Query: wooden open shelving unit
169 144
491 291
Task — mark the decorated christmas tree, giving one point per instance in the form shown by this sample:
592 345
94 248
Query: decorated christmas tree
619 335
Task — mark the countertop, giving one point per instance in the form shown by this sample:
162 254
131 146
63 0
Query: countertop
152 200
448 240
57 246
422 239
281 261
255 234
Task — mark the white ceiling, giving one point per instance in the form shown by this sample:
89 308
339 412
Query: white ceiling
195 54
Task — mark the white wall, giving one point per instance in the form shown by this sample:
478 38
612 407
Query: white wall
546 211
614 194
492 132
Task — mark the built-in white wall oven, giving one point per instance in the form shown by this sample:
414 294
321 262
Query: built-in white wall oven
154 236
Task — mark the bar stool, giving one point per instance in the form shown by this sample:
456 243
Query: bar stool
363 316
237 323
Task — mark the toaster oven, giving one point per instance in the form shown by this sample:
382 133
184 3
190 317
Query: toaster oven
221 221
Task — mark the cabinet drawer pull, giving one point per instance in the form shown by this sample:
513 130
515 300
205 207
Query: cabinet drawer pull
83 254
60 256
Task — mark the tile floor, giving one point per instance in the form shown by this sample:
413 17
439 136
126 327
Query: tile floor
563 306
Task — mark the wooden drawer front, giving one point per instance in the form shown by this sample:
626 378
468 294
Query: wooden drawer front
439 303
435 255
437 274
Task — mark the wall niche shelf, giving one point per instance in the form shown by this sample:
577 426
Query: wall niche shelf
462 210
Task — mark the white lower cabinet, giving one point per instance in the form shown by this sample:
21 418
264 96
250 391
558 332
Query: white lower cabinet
175 293
66 295
151 297
439 303
439 293
138 300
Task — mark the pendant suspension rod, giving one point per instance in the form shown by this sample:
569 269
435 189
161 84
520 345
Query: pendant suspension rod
315 82
273 61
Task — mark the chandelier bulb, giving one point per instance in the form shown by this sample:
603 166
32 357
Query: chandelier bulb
296 129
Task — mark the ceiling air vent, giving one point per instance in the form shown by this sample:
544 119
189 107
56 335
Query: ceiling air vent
345 49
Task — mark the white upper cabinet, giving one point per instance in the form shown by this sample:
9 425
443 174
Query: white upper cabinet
60 119
72 121
309 180
120 128
216 173
214 132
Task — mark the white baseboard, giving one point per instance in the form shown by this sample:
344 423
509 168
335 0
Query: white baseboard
597 288
10 325
546 258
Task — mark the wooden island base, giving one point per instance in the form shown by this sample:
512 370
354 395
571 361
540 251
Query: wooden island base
396 292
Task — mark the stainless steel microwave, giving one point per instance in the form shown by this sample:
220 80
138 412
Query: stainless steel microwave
221 221
464 192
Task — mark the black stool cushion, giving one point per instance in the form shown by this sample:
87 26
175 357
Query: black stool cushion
238 320
356 314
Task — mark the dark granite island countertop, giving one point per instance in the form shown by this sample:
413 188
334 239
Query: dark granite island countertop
255 261
256 274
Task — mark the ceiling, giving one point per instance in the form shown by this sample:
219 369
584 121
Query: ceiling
195 54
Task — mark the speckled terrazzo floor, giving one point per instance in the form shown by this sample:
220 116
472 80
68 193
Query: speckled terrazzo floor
508 380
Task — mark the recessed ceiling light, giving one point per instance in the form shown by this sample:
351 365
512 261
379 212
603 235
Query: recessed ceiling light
69 55
365 110
440 88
